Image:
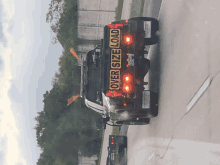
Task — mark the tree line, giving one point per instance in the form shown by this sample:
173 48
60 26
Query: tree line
62 131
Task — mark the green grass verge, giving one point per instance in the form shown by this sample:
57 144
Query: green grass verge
116 131
119 10
137 8
142 9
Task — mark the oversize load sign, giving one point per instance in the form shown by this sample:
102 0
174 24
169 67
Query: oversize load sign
114 38
116 58
114 81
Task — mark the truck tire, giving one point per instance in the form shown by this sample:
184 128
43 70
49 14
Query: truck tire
146 62
154 28
154 103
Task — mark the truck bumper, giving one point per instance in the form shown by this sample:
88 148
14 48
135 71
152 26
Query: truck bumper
140 107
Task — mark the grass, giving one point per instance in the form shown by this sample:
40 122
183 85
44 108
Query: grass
103 132
119 10
142 9
137 8
115 130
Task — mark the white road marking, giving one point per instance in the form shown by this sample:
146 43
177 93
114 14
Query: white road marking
198 94
151 157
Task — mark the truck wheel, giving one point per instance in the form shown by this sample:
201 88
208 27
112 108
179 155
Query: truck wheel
154 29
154 103
146 61
155 110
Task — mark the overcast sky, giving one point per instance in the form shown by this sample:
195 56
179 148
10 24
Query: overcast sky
28 62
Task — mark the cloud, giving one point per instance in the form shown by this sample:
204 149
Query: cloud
8 9
2 37
11 151
8 124
2 153
1 63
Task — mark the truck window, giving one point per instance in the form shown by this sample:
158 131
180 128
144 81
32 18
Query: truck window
93 77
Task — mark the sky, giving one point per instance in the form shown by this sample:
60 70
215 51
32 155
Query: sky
28 62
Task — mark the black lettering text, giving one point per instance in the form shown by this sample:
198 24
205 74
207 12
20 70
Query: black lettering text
115 31
114 40
115 72
114 64
117 56
114 77
114 86
116 51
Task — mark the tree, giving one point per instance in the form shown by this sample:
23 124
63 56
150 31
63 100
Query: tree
62 16
61 130
90 148
53 16
68 144
46 159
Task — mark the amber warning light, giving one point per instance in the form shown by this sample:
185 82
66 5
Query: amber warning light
115 26
127 78
127 39
113 93
127 86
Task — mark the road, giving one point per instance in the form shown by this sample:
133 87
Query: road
186 130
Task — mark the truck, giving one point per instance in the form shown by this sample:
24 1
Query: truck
112 74
117 150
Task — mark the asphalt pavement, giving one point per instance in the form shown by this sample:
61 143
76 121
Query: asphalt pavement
185 67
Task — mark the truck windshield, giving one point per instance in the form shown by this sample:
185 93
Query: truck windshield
93 87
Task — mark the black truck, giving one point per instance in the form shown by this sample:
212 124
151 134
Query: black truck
117 150
112 74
